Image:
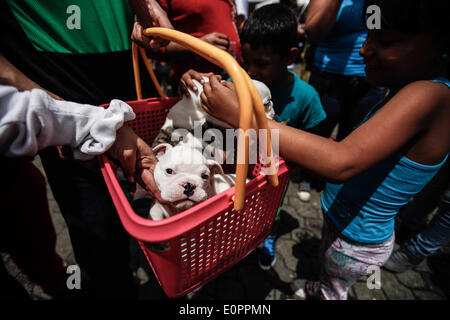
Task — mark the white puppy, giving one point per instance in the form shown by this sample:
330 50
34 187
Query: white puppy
188 112
184 177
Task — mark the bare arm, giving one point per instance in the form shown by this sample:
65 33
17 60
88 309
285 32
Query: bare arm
410 116
176 51
320 19
10 75
149 14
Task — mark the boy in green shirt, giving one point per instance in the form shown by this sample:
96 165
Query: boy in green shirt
269 45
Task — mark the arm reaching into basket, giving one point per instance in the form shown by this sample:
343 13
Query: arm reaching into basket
137 161
32 120
367 145
186 82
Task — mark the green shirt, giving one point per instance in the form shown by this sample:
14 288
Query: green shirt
67 26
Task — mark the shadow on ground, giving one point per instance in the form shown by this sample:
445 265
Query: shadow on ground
245 280
439 265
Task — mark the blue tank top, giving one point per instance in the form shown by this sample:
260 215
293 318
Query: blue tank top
364 208
339 52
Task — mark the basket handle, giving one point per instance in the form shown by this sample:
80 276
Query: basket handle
137 75
248 97
141 11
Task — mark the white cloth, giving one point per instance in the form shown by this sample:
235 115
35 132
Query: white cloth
242 7
32 120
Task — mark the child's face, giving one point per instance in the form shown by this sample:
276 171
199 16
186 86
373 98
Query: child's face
394 59
263 64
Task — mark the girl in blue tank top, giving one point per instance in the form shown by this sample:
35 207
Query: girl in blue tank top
389 158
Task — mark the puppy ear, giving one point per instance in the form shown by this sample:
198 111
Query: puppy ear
161 149
214 167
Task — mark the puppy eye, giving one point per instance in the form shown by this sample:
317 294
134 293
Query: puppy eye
205 176
169 171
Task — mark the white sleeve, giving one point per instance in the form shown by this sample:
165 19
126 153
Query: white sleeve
32 120
242 7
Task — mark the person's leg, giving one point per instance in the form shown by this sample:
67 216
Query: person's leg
10 288
357 97
326 86
99 241
27 231
332 108
304 193
434 236
343 263
430 240
346 262
412 218
267 253
303 179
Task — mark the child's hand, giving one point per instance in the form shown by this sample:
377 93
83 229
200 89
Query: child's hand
186 81
220 100
217 39
159 19
136 159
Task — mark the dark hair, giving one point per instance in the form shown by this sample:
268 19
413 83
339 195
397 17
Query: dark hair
414 16
273 26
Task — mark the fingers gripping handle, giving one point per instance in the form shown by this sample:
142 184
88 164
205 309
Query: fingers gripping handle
248 98
141 10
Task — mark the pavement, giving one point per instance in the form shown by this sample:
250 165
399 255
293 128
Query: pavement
299 235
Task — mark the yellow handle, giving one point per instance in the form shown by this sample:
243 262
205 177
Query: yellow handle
248 97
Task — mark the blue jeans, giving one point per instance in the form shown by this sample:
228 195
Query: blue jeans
436 234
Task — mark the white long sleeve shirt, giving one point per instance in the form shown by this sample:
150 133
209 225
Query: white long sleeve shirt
32 120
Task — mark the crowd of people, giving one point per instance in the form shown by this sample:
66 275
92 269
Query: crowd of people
386 90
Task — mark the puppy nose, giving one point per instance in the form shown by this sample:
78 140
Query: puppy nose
189 189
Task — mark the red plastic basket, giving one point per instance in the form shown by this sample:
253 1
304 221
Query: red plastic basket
207 239
191 248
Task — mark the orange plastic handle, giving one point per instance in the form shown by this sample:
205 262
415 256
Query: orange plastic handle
137 74
248 97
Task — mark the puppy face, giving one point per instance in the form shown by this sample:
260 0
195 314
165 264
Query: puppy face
183 175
